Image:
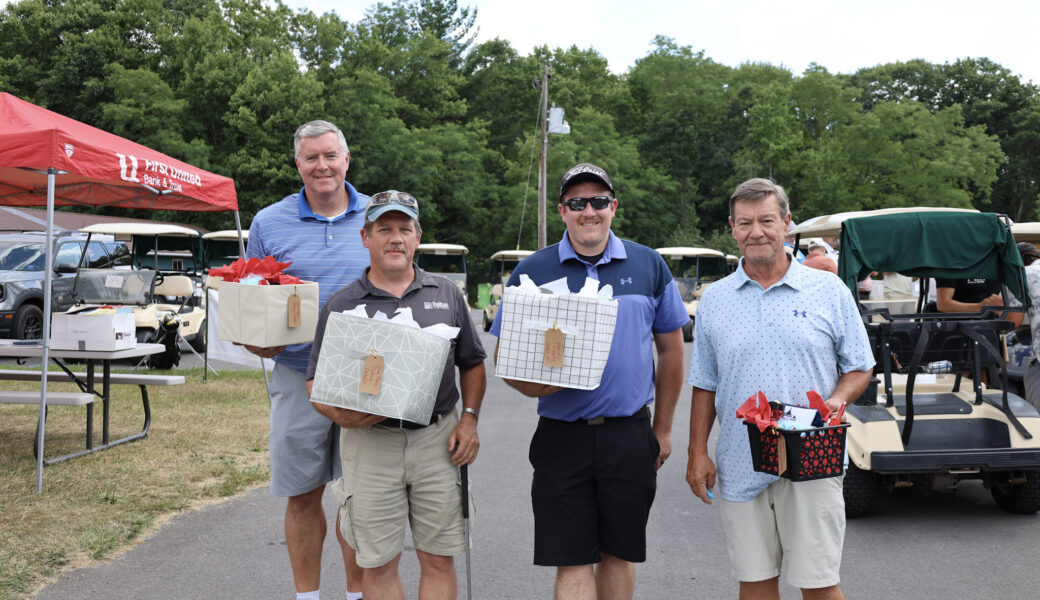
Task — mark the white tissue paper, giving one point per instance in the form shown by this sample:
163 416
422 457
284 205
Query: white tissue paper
586 318
413 363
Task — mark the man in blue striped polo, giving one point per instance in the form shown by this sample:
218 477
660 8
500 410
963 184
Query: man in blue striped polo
596 453
317 230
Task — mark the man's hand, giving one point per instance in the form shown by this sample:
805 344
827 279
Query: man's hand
531 389
263 352
346 418
463 444
665 441
700 474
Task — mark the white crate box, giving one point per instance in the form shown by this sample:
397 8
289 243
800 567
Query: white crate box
94 331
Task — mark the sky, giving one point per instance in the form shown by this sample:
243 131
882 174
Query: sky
842 36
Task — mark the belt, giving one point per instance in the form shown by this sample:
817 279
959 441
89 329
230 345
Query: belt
642 413
399 424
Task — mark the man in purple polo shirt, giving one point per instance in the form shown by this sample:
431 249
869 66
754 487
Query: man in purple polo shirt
317 230
596 453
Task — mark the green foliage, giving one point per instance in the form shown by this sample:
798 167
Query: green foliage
223 85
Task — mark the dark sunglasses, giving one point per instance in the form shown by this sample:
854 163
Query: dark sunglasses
393 197
579 204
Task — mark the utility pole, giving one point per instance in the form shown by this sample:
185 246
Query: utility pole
542 157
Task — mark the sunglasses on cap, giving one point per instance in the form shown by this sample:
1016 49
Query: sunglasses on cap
579 204
383 198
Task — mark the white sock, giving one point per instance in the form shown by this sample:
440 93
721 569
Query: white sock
315 595
353 595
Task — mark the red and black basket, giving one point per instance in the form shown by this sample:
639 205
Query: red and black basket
810 453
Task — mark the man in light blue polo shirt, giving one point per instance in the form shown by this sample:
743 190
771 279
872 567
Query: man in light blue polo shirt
595 453
318 230
778 327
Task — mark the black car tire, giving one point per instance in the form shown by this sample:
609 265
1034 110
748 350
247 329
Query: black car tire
198 343
1022 498
860 490
28 323
487 323
687 331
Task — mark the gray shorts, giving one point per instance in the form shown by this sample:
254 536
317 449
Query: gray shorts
304 445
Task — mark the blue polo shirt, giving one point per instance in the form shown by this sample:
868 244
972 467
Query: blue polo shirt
783 341
648 303
322 249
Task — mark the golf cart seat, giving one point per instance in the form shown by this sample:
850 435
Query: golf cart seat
177 286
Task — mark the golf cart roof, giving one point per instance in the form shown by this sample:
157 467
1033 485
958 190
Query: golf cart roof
731 258
442 249
944 244
1026 232
830 225
124 231
682 252
226 235
511 254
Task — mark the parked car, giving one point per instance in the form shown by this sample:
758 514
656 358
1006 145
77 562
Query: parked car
22 271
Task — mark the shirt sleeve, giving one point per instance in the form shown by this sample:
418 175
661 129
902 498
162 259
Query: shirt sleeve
853 345
319 334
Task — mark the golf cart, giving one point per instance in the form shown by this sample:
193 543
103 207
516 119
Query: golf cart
502 264
446 260
940 412
1018 341
220 248
694 269
177 304
732 261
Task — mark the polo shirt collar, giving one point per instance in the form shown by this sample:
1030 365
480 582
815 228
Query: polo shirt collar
794 278
615 249
353 205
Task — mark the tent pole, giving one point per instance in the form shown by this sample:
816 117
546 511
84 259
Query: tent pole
47 283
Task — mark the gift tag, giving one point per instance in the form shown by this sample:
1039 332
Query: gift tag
371 374
553 347
781 454
294 310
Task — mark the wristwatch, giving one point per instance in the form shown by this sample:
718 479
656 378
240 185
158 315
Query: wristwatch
472 411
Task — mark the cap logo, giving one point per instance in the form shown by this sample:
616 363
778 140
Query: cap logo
585 169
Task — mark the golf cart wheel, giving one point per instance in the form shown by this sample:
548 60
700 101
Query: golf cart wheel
487 323
859 489
198 343
28 323
687 332
1021 498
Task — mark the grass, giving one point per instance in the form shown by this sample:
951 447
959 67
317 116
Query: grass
207 441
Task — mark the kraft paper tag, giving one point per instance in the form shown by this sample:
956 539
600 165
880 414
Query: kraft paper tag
553 347
781 454
294 310
371 374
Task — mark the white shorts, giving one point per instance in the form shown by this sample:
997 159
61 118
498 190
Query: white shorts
801 524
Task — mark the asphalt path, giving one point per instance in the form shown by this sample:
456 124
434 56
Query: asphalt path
951 545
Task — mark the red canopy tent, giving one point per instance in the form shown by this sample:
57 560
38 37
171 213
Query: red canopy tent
47 159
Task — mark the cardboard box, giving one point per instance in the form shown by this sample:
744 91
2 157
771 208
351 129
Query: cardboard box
413 365
97 331
586 322
258 315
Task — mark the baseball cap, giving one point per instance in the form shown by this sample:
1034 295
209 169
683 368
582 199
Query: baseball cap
584 172
384 202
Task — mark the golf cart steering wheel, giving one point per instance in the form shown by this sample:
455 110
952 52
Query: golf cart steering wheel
159 277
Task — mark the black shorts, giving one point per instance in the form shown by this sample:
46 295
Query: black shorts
592 490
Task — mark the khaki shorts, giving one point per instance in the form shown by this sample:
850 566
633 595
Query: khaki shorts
800 523
392 476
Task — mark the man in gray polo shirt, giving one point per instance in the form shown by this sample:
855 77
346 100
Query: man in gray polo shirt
395 471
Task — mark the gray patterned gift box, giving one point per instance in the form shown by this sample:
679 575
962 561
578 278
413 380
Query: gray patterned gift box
587 323
413 364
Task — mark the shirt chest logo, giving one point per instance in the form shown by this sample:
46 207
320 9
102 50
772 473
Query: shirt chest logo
625 281
800 313
436 305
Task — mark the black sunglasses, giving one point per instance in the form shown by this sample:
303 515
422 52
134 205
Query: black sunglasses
393 197
578 204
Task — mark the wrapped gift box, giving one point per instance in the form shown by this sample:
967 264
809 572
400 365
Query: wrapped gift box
413 365
258 315
93 331
587 322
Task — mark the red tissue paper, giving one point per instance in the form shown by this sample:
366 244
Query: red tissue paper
756 410
267 268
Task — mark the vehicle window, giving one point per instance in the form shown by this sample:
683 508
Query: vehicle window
68 255
97 258
119 254
21 256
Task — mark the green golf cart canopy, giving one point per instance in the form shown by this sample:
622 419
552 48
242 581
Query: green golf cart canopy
943 245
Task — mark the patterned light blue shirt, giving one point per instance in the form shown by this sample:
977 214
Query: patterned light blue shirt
784 341
322 249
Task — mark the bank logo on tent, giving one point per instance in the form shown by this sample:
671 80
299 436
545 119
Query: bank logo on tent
128 172
69 150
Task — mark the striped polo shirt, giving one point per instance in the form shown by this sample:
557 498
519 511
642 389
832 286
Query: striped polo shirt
322 249
648 303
